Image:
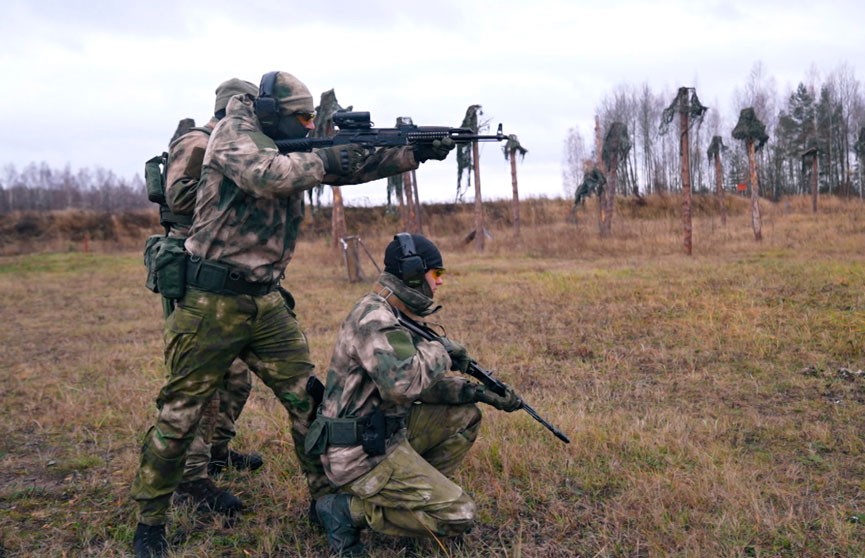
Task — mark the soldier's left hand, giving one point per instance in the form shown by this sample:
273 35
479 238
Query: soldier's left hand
509 402
437 150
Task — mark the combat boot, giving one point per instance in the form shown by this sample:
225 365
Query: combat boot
219 460
343 535
208 497
150 541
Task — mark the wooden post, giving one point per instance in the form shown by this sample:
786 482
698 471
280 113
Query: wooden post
814 189
719 187
419 212
479 203
338 217
599 162
516 202
351 256
684 161
756 221
410 203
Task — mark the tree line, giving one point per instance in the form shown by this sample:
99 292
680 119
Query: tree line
822 117
38 187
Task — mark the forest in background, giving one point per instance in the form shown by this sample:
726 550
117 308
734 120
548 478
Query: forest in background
824 115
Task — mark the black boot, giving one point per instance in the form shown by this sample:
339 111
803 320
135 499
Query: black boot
208 497
240 461
150 541
343 535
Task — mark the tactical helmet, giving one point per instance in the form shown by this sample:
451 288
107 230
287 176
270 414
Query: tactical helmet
292 94
229 88
395 256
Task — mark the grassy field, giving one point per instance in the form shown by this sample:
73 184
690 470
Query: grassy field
715 403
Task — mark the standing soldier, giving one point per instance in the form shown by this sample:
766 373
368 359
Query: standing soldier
247 215
209 452
390 456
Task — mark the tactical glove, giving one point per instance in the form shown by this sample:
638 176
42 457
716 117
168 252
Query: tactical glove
437 150
343 160
459 355
509 402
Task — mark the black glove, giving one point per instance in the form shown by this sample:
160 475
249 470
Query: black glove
342 160
437 150
460 359
509 402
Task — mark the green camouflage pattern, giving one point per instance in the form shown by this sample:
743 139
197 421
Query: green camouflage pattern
203 336
411 492
183 171
217 425
377 363
250 201
293 95
229 88
185 157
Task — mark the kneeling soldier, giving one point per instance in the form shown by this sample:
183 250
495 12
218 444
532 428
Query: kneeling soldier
393 427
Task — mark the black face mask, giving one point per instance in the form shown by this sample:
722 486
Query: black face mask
289 127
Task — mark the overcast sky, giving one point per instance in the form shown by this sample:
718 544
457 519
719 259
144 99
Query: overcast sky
104 83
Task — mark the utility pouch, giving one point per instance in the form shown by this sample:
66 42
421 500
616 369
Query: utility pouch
170 266
373 437
316 440
151 248
154 178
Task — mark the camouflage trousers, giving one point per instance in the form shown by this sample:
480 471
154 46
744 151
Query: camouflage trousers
217 425
410 492
203 336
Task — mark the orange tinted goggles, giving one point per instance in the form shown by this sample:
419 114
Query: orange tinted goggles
437 272
305 117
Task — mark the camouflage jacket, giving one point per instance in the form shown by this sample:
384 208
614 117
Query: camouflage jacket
250 197
377 363
183 171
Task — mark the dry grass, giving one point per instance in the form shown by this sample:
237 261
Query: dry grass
714 403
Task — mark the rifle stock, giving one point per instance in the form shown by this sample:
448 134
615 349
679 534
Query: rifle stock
479 373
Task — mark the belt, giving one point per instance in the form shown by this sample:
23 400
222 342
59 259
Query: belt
218 278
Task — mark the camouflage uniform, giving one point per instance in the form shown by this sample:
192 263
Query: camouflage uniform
248 210
217 427
378 364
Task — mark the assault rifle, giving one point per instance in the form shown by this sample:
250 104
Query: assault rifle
356 127
475 370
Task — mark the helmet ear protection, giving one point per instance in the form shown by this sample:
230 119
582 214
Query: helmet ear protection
411 266
266 105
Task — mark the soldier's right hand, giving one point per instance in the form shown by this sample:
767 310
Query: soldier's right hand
460 359
343 160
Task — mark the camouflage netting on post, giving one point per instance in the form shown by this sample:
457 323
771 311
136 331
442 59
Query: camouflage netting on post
324 128
715 148
593 182
694 108
395 182
464 150
749 127
513 144
617 143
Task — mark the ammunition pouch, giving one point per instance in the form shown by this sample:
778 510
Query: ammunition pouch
218 278
371 432
154 178
165 260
